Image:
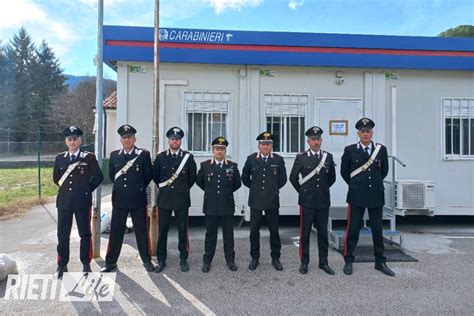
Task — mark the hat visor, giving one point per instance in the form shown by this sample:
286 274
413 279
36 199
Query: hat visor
365 128
72 137
266 141
174 137
219 146
128 134
315 136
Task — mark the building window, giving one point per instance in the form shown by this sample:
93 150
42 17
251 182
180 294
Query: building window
207 118
285 119
458 130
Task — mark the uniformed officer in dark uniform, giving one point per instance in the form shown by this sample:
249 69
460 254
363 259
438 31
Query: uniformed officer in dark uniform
318 175
173 195
130 170
364 174
77 174
265 174
219 178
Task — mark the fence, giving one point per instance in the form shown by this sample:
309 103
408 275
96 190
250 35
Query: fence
26 164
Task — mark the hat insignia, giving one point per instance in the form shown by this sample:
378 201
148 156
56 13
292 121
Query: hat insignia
176 130
221 140
365 121
72 128
266 135
126 128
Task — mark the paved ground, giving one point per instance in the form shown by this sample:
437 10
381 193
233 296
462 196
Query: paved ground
440 283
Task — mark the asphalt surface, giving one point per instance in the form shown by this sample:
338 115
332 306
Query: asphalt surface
440 283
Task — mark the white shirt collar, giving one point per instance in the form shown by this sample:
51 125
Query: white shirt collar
314 152
130 152
76 154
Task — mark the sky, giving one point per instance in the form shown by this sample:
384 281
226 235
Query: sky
70 26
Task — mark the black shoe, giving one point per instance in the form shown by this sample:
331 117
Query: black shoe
277 264
149 266
253 264
232 266
86 268
326 268
382 267
60 271
160 266
347 268
184 265
109 268
206 267
303 268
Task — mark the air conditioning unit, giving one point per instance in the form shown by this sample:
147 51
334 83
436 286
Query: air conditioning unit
415 195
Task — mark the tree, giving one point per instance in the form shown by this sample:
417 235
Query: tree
459 31
5 94
21 60
48 85
76 105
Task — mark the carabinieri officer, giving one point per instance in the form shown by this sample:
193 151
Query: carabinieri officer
174 171
77 174
318 175
364 166
219 178
131 171
264 174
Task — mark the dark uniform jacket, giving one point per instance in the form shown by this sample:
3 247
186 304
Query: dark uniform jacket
365 189
219 184
76 191
175 196
129 190
314 193
264 180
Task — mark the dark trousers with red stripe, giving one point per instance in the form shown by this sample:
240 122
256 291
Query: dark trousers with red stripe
318 218
164 218
355 223
117 231
83 221
212 224
256 218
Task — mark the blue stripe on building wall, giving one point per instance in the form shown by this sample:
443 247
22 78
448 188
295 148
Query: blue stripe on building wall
178 55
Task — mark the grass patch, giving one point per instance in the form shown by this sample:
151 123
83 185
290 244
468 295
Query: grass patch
19 190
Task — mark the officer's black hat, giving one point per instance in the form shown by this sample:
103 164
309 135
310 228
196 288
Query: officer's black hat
314 132
72 131
265 137
175 132
364 124
126 130
220 141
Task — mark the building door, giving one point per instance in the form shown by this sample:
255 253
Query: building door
337 117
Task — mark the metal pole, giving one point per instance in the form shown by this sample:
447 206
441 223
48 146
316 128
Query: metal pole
8 141
156 125
99 131
38 149
394 216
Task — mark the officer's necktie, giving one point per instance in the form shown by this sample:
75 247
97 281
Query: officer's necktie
366 149
265 159
73 158
220 164
174 156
